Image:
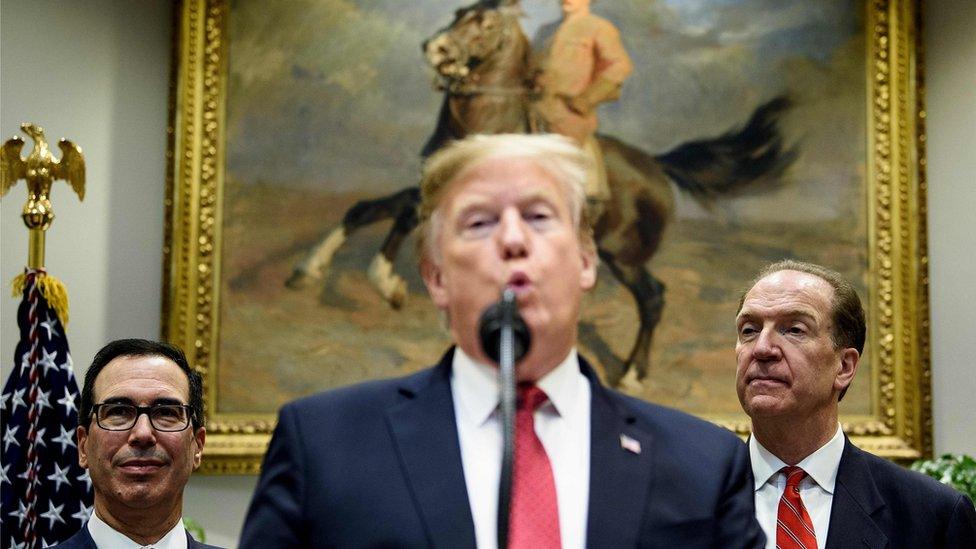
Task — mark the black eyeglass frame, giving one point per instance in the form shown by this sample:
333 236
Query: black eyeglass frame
144 410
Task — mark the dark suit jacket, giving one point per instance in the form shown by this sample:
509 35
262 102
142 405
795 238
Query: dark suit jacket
83 540
379 465
880 504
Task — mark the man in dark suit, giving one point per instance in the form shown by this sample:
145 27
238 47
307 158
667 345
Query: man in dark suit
801 333
414 462
140 435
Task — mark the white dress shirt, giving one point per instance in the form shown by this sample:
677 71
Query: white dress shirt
562 424
816 489
106 537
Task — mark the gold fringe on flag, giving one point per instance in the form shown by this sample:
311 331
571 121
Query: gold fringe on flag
51 288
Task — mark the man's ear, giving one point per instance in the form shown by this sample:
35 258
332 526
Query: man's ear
81 434
199 438
590 263
434 280
849 361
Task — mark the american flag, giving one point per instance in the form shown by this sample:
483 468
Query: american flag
46 495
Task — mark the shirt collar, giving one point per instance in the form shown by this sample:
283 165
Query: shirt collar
106 537
821 466
476 385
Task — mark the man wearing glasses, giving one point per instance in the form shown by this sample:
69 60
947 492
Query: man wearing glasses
140 435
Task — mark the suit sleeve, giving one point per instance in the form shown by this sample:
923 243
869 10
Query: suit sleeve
961 531
737 525
275 517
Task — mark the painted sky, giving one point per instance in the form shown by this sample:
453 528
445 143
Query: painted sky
335 94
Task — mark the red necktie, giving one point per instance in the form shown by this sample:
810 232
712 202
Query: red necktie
534 521
793 525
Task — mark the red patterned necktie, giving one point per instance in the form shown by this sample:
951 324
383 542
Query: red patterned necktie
534 519
793 525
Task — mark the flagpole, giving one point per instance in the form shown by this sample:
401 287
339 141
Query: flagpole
35 249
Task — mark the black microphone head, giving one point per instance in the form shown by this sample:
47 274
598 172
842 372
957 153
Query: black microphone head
490 328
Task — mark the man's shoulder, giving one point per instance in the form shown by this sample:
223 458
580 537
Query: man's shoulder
596 23
674 426
81 540
367 395
894 478
194 544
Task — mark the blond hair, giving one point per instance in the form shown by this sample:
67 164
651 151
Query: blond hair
558 156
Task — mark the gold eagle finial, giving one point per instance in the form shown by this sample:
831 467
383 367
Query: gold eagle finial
40 169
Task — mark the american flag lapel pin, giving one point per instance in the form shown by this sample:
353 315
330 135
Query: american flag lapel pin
630 444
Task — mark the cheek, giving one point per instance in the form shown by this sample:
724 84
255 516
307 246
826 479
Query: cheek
741 359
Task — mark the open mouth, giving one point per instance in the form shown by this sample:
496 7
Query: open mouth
519 283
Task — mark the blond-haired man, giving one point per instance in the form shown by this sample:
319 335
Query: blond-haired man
415 462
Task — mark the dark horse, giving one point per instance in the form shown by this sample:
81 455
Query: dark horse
483 61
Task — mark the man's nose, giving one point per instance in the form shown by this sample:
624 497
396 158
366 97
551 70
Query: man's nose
767 345
142 433
513 235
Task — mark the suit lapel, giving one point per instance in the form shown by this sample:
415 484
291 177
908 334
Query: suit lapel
856 499
619 477
425 435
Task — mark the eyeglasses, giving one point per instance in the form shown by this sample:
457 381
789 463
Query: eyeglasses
122 417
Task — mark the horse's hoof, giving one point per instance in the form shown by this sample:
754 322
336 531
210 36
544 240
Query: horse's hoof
298 280
390 285
398 296
629 383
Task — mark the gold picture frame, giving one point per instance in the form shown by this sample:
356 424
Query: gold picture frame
900 425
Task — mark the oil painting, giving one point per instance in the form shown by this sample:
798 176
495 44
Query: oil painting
326 109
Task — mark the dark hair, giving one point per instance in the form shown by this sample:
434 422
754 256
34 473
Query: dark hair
137 348
847 314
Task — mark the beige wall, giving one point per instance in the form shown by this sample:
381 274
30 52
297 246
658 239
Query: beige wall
97 72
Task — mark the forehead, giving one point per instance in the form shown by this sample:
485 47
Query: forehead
789 293
502 181
141 378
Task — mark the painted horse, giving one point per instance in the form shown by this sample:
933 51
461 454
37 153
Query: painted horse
483 61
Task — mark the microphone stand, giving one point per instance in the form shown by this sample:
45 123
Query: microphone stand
506 379
505 339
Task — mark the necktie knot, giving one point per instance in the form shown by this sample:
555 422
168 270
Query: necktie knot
530 397
794 475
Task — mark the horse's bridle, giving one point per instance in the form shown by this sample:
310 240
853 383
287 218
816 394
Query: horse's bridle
460 86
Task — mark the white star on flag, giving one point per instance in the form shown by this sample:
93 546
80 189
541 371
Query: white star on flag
68 401
84 477
15 545
43 400
3 401
51 326
3 474
18 400
48 361
59 476
20 514
10 435
68 366
65 438
53 514
40 438
83 514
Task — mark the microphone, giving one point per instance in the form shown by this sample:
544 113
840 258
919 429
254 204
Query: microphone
494 319
505 339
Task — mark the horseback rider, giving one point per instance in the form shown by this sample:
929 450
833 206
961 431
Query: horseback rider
582 63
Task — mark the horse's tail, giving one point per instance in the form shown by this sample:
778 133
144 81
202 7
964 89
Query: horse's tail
734 160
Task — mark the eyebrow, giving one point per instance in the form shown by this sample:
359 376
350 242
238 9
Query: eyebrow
127 400
747 314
